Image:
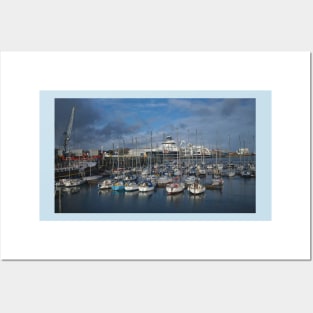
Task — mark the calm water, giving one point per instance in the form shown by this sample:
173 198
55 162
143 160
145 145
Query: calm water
236 196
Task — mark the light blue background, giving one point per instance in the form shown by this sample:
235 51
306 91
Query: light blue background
263 155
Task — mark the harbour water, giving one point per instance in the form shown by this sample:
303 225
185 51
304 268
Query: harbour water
238 195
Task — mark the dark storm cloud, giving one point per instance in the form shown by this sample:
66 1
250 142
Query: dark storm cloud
213 121
117 130
229 107
95 124
102 122
86 114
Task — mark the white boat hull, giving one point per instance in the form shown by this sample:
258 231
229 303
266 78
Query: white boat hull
196 189
73 182
245 174
71 190
175 188
106 184
146 186
131 187
217 182
202 172
146 189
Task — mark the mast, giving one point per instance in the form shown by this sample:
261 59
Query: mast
228 150
150 155
177 157
113 161
136 160
229 167
202 150
196 147
239 150
118 158
124 166
132 153
216 167
186 149
244 152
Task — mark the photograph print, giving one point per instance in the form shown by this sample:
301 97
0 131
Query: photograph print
155 155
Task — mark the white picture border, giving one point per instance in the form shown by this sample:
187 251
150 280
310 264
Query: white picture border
24 236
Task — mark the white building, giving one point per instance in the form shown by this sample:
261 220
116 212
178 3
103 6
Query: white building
242 151
138 152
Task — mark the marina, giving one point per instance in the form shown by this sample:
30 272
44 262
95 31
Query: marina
112 194
152 171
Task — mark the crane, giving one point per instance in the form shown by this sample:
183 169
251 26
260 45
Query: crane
67 134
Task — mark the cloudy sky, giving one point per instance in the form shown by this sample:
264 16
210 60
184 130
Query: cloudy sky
100 123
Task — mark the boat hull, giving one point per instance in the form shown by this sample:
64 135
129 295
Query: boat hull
217 182
175 188
118 187
131 187
72 182
107 184
146 186
196 189
146 189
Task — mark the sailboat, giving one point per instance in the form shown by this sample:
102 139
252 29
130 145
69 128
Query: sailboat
106 184
145 186
245 173
216 177
217 181
201 169
164 180
72 182
131 186
190 180
196 188
118 186
177 185
91 178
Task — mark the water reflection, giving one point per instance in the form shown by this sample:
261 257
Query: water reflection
174 197
71 190
104 192
237 195
133 194
146 194
198 197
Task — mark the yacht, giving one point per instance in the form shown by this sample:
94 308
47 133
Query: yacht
131 186
196 188
106 184
146 186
